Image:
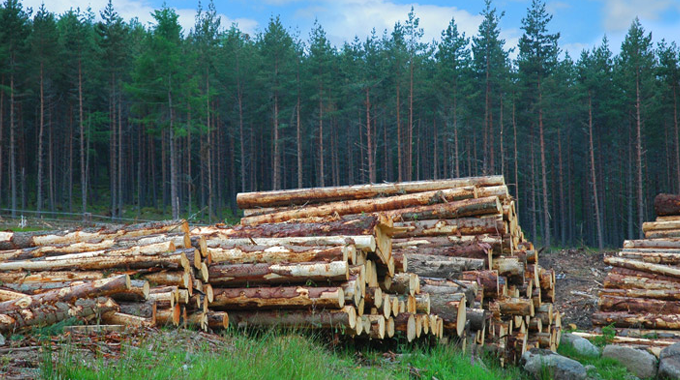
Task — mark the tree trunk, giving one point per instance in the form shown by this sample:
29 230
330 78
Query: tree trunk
598 219
544 172
345 318
278 254
239 274
369 136
638 150
49 314
280 297
40 141
451 308
12 141
647 320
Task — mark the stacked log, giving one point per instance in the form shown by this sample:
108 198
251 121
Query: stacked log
641 295
456 243
50 276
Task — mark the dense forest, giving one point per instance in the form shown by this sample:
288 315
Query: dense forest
104 115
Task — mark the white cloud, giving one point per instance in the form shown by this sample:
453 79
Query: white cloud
618 14
140 9
344 19
555 6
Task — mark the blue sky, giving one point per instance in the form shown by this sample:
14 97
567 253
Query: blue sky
582 23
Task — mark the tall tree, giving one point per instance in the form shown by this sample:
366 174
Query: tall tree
669 71
414 34
637 62
538 52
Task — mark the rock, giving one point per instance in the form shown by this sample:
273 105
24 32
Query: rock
581 345
669 362
537 361
640 362
2 340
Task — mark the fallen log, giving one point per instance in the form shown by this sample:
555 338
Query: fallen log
652 243
617 281
462 226
360 206
657 294
667 204
647 321
329 194
642 266
279 297
654 257
450 210
51 313
342 320
240 274
612 303
281 254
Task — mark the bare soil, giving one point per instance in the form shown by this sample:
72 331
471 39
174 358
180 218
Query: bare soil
580 274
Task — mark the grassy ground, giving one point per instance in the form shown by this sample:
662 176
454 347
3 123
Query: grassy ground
273 355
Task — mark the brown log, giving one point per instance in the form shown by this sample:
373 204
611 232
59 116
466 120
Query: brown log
373 297
217 320
451 308
638 305
477 317
642 266
400 262
462 226
51 313
280 254
361 242
178 278
279 297
634 284
404 283
469 292
658 294
329 194
198 319
97 288
442 266
476 251
652 243
137 291
423 303
488 279
15 240
239 274
516 306
450 210
179 239
168 316
360 206
406 324
145 309
9 295
655 257
118 318
54 250
667 204
509 267
177 259
648 321
336 319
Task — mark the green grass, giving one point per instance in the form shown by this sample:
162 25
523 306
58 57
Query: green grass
272 355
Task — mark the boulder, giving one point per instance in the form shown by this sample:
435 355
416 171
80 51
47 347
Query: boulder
669 362
639 362
537 361
581 345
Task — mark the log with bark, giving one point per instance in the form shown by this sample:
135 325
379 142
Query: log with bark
361 206
442 266
450 210
654 257
281 254
451 308
643 266
242 274
174 260
613 303
329 194
361 242
667 204
445 227
278 297
647 320
51 313
344 318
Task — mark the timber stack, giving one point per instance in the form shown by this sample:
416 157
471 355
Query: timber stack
641 295
51 276
449 250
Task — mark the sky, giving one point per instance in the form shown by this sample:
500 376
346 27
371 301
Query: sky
581 23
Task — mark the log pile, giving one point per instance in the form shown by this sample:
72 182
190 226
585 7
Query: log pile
641 295
140 275
456 243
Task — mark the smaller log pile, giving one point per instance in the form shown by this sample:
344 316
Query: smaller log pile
140 275
456 242
641 295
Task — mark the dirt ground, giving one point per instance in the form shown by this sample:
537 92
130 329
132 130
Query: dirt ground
580 274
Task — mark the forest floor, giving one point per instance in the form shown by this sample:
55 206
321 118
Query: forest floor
580 274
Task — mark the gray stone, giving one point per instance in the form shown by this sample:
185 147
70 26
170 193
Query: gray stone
2 340
537 361
669 362
639 362
581 345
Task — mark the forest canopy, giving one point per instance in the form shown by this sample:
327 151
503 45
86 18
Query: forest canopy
105 115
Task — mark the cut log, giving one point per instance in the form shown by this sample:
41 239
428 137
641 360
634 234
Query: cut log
240 274
15 240
648 321
51 313
405 323
652 243
93 289
516 306
663 234
117 318
627 340
509 267
168 316
9 295
279 254
217 320
179 239
462 226
469 292
345 318
377 330
360 206
373 297
405 283
362 242
329 194
145 309
477 318
659 294
54 250
451 308
442 266
609 302
279 297
497 243
174 260
449 210
667 204
642 266
178 278
137 291
473 251
488 279
423 303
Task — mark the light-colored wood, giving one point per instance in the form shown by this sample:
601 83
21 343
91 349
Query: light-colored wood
444 227
345 318
278 254
240 274
280 297
642 266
